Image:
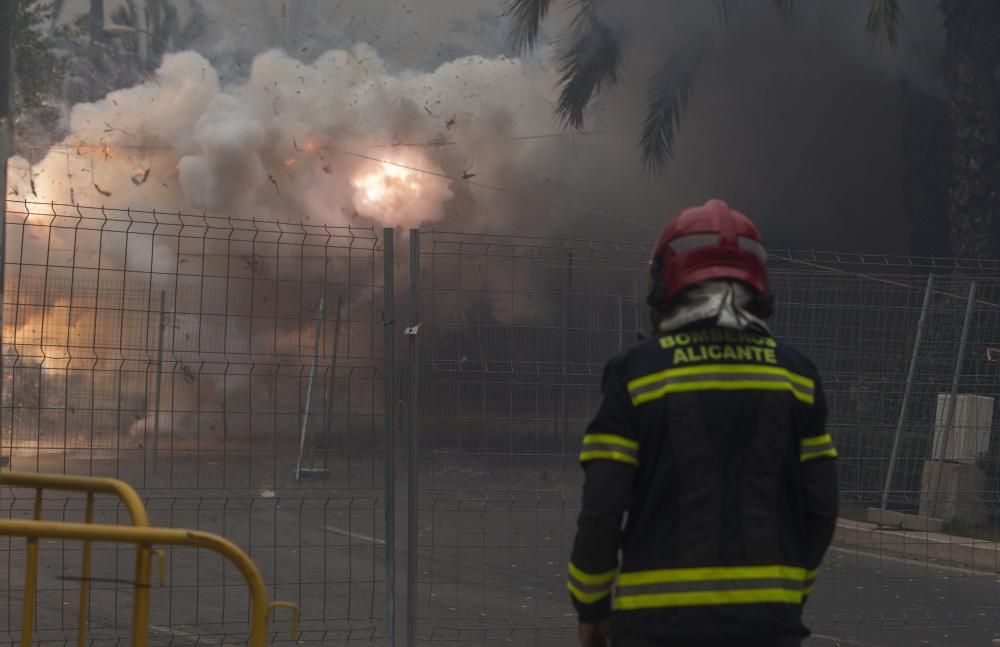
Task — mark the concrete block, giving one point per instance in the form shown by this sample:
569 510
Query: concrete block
959 497
903 520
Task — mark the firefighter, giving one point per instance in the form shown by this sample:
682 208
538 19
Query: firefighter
707 466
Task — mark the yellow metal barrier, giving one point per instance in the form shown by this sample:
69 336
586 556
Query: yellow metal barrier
90 486
140 534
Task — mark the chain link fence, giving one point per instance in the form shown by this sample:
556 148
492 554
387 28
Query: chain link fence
235 372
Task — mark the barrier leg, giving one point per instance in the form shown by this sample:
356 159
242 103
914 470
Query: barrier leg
140 605
81 636
31 580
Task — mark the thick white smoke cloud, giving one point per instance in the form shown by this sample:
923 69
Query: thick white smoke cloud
296 141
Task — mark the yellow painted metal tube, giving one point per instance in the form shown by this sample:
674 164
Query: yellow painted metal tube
91 484
128 496
81 631
140 603
296 614
33 530
31 579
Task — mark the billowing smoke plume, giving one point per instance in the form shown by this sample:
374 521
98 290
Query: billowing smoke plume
330 142
430 120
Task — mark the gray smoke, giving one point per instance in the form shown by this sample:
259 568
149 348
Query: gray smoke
381 113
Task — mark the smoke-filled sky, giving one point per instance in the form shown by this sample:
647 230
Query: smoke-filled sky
276 112
287 110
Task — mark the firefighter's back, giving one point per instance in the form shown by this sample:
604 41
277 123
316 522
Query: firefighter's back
713 546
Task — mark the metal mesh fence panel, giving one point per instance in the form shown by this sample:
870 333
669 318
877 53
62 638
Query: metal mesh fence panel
201 403
175 352
517 330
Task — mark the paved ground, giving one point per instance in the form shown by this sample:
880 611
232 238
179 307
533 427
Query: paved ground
492 545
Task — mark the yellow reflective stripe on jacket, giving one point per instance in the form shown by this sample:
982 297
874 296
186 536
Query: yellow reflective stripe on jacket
588 588
709 573
815 447
810 582
721 377
609 447
713 585
707 598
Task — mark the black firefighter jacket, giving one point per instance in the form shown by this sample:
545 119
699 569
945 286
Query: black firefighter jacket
709 471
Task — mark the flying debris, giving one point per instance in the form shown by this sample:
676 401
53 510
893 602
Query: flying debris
106 194
467 175
140 175
274 182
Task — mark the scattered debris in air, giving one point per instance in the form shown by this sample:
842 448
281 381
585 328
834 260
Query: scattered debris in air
274 182
140 175
106 194
467 176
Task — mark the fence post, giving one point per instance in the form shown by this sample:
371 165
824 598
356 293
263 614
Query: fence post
159 382
950 411
906 391
6 136
312 380
330 382
412 526
621 323
389 375
638 311
563 413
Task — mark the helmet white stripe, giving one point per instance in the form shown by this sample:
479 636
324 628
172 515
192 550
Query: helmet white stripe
685 244
754 247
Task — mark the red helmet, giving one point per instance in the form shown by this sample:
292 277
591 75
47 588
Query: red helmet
707 242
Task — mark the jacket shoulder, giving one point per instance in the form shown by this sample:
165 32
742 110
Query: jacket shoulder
796 360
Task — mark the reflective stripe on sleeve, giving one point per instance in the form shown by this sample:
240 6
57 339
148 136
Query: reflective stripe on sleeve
718 585
588 588
810 582
815 447
721 377
609 447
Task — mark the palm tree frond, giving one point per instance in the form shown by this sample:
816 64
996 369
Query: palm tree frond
667 97
589 61
884 20
528 16
785 8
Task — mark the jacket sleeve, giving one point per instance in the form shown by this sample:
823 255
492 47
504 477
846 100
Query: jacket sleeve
819 486
610 455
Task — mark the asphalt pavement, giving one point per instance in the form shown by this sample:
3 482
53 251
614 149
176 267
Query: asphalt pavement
491 555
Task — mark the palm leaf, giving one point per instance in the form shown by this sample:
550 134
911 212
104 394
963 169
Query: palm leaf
528 16
884 20
589 60
667 98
